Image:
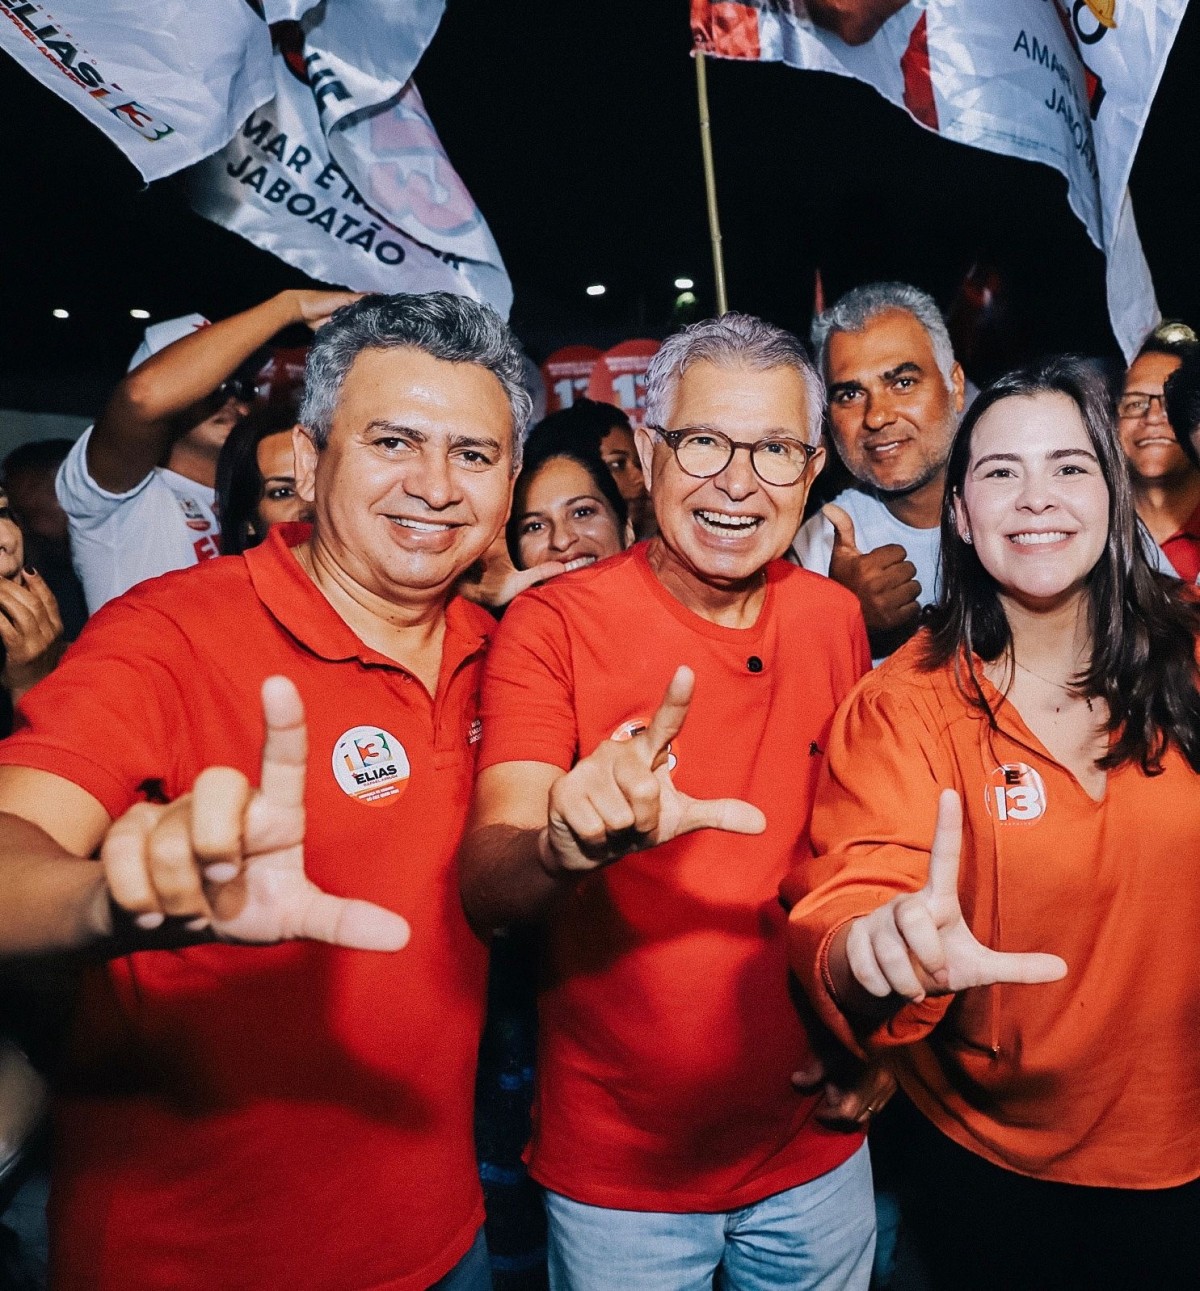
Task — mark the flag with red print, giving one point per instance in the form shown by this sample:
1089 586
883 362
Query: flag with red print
167 83
341 173
1065 82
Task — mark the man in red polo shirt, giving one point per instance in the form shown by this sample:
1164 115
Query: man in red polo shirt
282 1113
653 727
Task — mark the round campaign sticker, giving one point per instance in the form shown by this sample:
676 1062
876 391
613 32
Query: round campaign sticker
619 376
370 765
1015 792
192 514
566 373
635 726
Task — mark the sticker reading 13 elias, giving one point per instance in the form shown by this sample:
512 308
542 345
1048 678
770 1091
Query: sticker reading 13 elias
370 765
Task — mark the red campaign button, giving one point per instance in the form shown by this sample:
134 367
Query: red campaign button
619 377
566 374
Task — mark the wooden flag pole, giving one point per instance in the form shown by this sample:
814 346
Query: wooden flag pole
710 184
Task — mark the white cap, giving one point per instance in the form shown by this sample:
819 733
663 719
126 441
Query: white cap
159 335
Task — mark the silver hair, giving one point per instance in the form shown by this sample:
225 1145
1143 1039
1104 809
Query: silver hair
858 307
437 323
733 340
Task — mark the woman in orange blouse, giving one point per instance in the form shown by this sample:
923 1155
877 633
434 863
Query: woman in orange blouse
1006 893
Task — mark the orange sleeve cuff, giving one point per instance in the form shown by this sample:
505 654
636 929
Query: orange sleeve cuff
809 951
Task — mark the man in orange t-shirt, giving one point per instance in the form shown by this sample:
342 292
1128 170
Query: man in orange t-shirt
294 1115
651 835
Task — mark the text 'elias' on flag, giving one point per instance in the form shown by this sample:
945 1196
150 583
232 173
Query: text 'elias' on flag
168 83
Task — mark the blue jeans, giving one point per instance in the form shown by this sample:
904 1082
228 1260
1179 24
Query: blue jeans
820 1235
472 1273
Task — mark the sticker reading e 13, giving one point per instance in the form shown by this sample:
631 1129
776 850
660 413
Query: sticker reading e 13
1015 792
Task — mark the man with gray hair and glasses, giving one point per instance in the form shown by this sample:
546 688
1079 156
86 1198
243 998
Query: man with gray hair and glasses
271 756
652 731
895 394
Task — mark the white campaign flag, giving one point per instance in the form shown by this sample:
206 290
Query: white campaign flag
1066 82
168 83
369 47
342 175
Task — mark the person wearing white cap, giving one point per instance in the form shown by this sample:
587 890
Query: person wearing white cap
138 486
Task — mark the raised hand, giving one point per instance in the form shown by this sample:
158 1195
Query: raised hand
884 580
231 857
621 798
919 944
317 307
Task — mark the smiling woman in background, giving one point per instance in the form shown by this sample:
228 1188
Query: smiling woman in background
1038 1004
567 508
567 511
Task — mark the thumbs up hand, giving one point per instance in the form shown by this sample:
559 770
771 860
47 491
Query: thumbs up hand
884 580
919 944
231 858
621 798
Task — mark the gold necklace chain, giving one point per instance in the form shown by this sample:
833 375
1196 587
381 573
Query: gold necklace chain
1058 685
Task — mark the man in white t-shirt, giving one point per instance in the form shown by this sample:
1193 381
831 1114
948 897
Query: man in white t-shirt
138 486
895 394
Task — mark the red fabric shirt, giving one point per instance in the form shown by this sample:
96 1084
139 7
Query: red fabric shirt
668 1033
1182 548
293 1116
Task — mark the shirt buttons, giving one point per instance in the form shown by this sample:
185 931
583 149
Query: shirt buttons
754 663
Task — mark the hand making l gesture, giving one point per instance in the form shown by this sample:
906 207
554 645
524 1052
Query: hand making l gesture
231 857
621 798
919 943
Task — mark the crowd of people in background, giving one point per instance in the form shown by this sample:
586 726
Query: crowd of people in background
813 752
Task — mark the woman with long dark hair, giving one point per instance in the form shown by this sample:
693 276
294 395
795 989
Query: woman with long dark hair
256 478
567 508
567 512
1005 898
604 430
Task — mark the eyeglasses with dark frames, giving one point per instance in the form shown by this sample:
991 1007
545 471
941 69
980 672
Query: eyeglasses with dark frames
1137 404
702 453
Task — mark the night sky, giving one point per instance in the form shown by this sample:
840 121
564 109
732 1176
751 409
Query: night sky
574 126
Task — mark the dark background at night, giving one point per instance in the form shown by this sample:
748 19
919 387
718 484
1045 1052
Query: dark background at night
574 126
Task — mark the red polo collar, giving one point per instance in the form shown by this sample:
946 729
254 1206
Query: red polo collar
301 608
